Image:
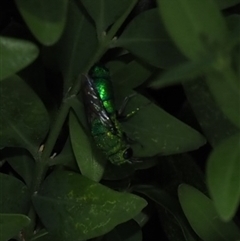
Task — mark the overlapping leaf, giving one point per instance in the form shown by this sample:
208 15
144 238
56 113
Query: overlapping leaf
203 217
215 125
76 46
196 27
223 175
13 189
146 37
12 224
23 116
46 18
83 151
105 12
15 55
85 209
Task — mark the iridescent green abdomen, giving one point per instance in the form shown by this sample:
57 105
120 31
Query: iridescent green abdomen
101 114
104 88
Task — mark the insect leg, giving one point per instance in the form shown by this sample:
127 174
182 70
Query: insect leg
120 115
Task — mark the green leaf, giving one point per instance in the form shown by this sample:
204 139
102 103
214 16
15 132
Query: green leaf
161 134
12 224
224 86
196 27
150 136
23 116
170 205
85 209
146 37
203 217
13 189
82 148
182 72
214 123
46 18
76 46
233 22
105 12
15 55
129 231
23 164
65 157
37 79
43 235
131 75
223 4
223 175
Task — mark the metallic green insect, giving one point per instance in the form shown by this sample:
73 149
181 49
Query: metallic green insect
102 117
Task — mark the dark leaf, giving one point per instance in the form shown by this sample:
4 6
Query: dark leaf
129 231
170 205
23 116
223 4
46 18
12 224
15 55
196 27
147 38
76 46
82 148
214 123
105 12
23 164
11 190
161 134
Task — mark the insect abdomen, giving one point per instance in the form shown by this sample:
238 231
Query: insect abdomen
104 89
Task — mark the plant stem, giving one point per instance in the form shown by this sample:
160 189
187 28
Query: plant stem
42 160
42 163
106 41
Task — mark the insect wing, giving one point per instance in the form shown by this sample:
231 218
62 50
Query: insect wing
93 104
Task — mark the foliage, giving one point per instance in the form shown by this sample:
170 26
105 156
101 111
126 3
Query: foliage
56 185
